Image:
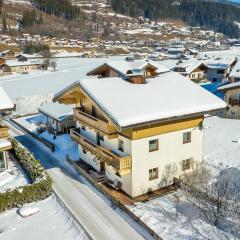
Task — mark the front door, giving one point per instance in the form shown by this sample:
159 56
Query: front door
98 139
102 166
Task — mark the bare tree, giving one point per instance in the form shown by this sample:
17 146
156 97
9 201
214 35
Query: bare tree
53 64
216 197
47 58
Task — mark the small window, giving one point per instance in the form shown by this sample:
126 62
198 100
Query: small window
153 145
83 127
2 161
101 137
120 145
153 174
84 151
186 164
186 137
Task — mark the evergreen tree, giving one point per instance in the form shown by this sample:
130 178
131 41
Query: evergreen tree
4 24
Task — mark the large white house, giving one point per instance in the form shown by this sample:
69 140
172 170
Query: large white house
139 131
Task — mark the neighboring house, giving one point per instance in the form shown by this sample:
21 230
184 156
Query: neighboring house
219 69
232 98
14 66
59 117
176 53
124 68
6 106
195 71
141 133
2 60
8 54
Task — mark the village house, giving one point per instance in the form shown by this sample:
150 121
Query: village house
59 117
127 128
7 54
194 70
15 66
124 69
219 69
232 98
6 106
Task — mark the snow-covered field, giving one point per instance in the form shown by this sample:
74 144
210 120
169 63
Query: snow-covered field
221 144
52 222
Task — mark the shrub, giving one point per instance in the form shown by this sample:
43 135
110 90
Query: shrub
41 183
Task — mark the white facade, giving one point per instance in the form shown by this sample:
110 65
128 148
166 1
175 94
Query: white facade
171 153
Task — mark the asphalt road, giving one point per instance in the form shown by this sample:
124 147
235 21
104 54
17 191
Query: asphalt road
97 217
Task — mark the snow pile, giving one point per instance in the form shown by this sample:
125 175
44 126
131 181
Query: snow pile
28 211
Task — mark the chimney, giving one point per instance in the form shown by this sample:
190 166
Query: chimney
136 77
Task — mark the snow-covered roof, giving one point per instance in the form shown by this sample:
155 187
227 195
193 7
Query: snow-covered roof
124 66
5 102
57 111
229 86
189 66
219 63
235 73
167 96
15 63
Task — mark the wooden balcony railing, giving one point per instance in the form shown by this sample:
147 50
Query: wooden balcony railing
234 102
3 131
122 164
92 121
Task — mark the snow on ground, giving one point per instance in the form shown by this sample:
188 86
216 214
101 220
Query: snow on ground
12 177
221 144
52 222
160 215
63 146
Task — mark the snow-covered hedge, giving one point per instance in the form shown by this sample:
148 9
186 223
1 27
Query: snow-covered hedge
41 183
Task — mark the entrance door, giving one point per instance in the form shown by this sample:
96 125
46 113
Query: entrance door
98 139
102 166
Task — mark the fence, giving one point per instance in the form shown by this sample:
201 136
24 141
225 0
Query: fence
115 201
44 141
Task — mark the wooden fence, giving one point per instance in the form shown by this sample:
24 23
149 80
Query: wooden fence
115 201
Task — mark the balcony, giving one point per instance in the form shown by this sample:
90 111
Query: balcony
3 131
93 122
234 101
122 164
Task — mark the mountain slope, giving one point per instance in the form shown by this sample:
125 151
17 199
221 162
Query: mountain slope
219 16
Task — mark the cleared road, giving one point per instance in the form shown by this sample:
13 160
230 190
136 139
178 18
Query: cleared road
99 219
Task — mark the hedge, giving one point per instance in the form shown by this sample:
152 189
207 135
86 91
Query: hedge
41 183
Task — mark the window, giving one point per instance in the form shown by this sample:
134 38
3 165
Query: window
153 145
153 174
84 151
2 162
83 127
186 137
120 145
186 164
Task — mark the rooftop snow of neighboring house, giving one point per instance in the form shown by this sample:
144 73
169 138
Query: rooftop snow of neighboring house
124 66
168 96
219 63
15 63
57 111
235 73
229 86
5 102
189 65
